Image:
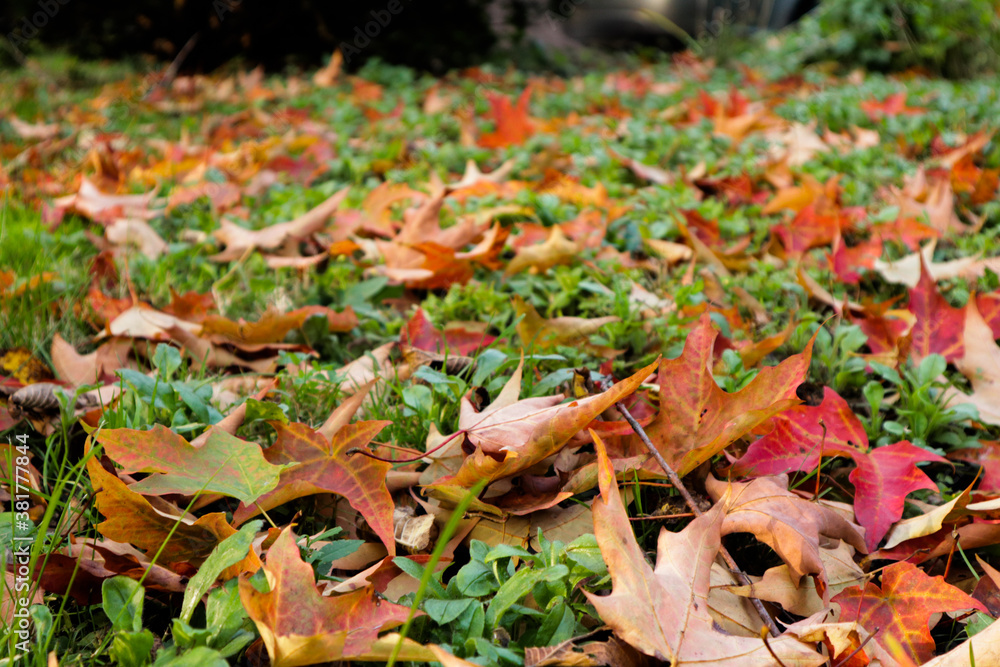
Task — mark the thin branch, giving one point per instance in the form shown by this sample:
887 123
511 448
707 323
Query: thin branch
844 661
763 635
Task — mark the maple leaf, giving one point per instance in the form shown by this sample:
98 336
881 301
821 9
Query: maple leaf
461 338
162 530
907 270
812 228
845 261
882 480
790 525
315 463
928 197
884 476
900 610
939 326
980 362
273 326
800 435
239 240
103 208
663 611
513 124
301 627
573 331
224 464
892 105
697 419
511 435
987 457
540 258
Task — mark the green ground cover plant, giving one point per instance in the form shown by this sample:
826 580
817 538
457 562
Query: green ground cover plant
291 363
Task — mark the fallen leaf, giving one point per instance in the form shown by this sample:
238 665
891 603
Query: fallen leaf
572 331
790 525
697 419
513 124
301 627
540 258
980 362
133 232
169 535
224 464
272 327
511 435
898 611
315 463
239 240
882 480
938 326
663 611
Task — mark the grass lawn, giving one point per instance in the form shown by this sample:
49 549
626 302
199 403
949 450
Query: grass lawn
338 267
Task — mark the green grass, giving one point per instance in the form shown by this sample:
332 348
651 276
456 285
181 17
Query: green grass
413 148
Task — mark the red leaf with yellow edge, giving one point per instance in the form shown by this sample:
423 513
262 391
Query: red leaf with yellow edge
301 627
512 435
318 464
132 519
939 325
513 125
799 438
882 480
901 608
697 419
663 612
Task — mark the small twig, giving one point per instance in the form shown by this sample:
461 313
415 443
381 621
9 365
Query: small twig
689 499
844 661
171 72
763 635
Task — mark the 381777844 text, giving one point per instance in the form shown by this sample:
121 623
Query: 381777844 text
19 487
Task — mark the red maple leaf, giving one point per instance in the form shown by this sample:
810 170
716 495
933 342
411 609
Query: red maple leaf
421 334
697 419
893 105
884 476
939 325
513 125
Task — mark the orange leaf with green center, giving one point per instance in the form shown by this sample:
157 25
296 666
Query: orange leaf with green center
224 464
512 435
131 519
900 610
301 627
513 125
939 326
697 419
663 612
316 463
